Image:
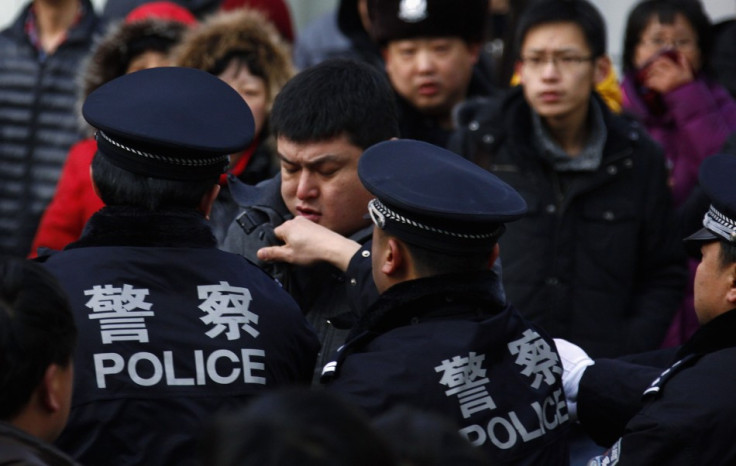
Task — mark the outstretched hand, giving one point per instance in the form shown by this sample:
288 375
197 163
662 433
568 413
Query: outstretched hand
306 243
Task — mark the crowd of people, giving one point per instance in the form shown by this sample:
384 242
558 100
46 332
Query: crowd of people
414 233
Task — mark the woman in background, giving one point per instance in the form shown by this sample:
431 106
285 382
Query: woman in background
667 86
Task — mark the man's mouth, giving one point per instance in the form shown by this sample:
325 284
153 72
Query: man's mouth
309 214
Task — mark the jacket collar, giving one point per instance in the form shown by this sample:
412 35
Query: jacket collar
718 334
129 226
405 302
18 447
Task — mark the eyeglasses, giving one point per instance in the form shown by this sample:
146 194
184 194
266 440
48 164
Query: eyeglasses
563 63
660 42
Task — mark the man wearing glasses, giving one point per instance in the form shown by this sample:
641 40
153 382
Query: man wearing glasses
596 259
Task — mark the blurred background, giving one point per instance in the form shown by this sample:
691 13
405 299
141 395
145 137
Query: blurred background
303 11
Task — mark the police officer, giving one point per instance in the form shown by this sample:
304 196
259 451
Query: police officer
440 337
684 414
174 328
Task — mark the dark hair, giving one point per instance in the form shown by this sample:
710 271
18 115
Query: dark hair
119 187
579 12
36 330
727 256
149 43
665 11
421 438
294 426
333 98
429 262
241 58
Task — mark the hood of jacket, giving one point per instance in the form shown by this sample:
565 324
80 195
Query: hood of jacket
243 31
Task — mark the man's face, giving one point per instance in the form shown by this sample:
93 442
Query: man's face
557 71
712 284
319 181
433 74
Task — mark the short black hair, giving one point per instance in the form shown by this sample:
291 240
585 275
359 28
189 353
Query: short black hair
294 426
333 98
727 256
579 12
665 11
429 262
36 330
120 187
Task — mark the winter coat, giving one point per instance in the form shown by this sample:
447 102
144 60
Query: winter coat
596 263
698 118
448 344
73 203
680 416
321 290
38 123
175 330
20 448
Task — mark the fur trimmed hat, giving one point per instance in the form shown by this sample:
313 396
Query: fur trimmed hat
406 19
111 56
242 32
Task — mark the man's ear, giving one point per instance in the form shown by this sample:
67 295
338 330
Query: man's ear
474 50
94 185
731 293
494 255
603 67
205 204
50 390
393 260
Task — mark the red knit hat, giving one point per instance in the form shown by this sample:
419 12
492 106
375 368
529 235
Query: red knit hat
276 10
167 11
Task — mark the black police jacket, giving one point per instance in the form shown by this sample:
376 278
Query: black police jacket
171 331
683 415
448 344
597 260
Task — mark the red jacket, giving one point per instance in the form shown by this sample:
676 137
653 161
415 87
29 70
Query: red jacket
74 202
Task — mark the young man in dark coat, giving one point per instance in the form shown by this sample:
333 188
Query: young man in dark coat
175 329
440 337
322 119
597 259
684 414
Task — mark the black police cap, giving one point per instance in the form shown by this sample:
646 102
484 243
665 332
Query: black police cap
170 122
717 174
435 199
